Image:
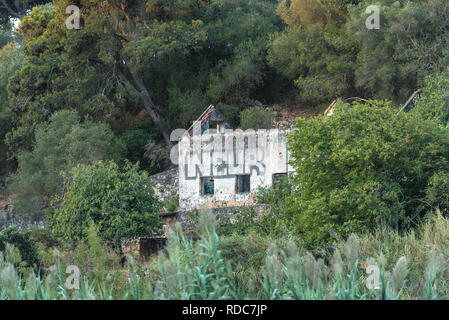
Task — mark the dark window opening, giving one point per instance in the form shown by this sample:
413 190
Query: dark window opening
207 185
243 184
278 177
215 127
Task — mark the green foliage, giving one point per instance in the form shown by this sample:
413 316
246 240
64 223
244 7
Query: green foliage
238 78
230 113
26 242
16 9
6 36
62 70
11 58
245 221
195 270
314 50
328 52
172 205
121 203
257 118
61 144
132 143
156 157
433 102
437 192
183 108
21 239
245 267
362 167
165 60
410 44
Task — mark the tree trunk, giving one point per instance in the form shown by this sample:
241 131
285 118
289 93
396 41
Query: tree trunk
151 108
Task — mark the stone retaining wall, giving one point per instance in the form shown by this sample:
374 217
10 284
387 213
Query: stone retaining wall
144 248
167 184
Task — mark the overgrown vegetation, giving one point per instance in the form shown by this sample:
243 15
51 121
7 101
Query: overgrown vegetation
86 116
412 266
120 202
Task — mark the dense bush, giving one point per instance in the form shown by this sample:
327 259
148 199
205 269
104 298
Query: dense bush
11 58
131 145
314 50
241 76
256 118
433 102
121 203
184 107
27 242
361 167
21 239
328 52
61 144
412 42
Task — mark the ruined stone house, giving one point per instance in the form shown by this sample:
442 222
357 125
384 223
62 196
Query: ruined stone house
222 167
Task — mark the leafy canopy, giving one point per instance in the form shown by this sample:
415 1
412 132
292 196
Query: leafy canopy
121 203
61 144
362 166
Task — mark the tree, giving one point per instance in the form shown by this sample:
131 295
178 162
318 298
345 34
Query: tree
412 42
122 59
61 144
314 50
306 13
11 59
130 40
121 203
239 77
361 167
16 9
62 71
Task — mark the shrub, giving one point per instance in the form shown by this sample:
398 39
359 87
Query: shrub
172 205
155 157
135 139
257 118
26 241
401 57
121 203
240 76
184 107
437 192
22 241
361 167
434 100
61 144
230 113
11 58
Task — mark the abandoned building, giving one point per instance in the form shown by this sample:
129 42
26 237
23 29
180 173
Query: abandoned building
222 167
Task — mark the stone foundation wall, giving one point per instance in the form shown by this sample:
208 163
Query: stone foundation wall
167 184
7 218
143 248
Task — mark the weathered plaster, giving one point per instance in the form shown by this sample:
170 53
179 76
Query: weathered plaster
225 155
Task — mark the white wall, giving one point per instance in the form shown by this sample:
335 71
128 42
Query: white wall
263 154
